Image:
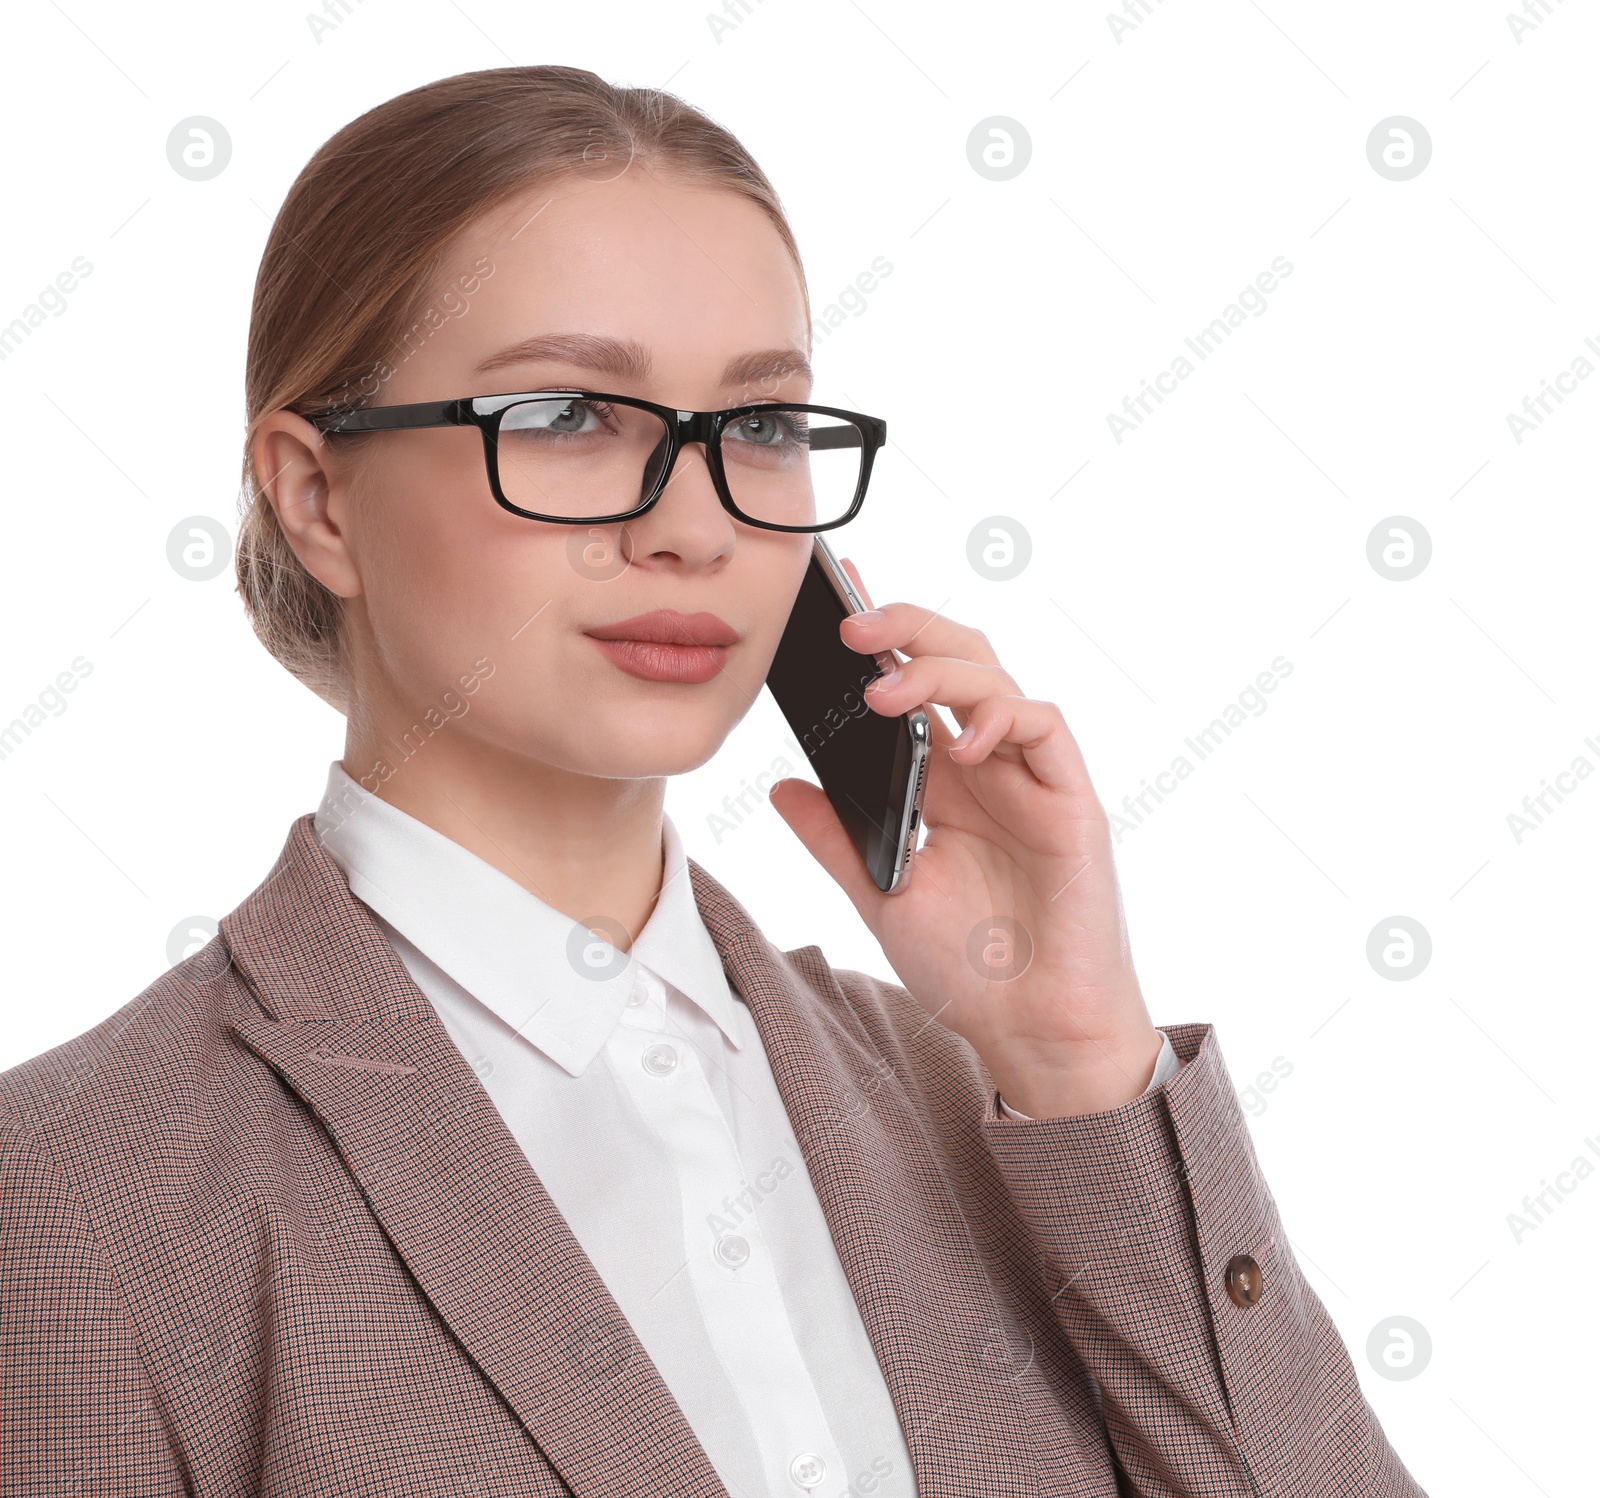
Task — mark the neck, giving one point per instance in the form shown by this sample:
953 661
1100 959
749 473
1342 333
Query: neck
588 847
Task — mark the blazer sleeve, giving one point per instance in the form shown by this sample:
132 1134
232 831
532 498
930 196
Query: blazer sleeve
1139 1211
79 1414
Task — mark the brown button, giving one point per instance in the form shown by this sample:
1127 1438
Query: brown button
1244 1280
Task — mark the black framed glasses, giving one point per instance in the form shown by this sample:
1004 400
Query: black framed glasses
581 457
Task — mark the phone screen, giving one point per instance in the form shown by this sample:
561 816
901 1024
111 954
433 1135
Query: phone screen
862 758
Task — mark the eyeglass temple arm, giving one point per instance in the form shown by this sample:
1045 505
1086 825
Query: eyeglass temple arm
845 435
393 418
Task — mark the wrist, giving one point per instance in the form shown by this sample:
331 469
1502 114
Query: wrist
1091 1077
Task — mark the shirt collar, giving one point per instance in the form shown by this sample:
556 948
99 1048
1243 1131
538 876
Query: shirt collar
502 943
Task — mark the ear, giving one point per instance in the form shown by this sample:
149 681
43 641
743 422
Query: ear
297 473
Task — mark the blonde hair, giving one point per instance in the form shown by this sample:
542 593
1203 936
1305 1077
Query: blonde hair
359 241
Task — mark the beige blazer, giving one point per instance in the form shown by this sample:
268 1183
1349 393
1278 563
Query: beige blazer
262 1231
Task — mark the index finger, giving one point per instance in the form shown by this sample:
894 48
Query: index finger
915 630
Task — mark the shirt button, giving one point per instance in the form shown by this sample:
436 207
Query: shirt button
807 1470
1243 1278
659 1060
733 1251
636 994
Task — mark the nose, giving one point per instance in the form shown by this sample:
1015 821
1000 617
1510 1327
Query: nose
688 518
691 458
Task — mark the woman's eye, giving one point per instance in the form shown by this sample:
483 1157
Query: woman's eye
565 417
765 430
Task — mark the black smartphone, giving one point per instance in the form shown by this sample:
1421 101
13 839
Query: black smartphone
872 767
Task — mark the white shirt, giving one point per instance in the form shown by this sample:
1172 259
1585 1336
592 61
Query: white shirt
637 1085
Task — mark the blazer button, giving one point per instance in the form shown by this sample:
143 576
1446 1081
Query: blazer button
1243 1278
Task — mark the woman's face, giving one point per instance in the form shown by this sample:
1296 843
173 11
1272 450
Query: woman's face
661 290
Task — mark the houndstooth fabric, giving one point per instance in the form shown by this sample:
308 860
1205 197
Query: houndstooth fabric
262 1231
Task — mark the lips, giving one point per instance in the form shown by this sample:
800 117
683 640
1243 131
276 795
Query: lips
669 627
665 645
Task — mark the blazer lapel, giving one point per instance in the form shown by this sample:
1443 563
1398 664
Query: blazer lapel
361 1045
950 1357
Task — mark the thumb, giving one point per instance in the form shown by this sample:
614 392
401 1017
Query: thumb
811 817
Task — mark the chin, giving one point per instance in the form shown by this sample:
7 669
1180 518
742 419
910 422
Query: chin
644 745
645 761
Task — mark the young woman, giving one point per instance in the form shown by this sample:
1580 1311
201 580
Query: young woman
490 1148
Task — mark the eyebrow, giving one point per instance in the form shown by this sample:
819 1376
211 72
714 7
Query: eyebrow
630 360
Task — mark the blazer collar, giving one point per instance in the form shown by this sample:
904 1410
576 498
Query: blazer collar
344 1025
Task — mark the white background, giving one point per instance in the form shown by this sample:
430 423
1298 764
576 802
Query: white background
1168 168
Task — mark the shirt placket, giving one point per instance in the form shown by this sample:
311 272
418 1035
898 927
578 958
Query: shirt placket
724 1251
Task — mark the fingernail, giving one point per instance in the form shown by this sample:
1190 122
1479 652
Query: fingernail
866 616
888 679
964 737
